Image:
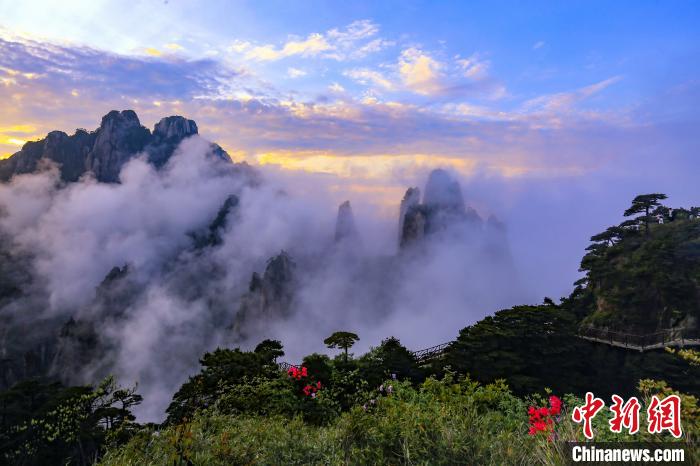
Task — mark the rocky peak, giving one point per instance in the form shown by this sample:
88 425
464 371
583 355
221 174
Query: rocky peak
175 127
278 275
115 118
212 235
443 192
104 152
410 199
119 138
269 296
345 224
54 138
443 209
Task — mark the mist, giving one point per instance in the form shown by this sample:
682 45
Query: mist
178 301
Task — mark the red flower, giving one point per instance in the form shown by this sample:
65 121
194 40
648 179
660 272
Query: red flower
555 404
541 419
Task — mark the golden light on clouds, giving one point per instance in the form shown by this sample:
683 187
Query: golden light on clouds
153 52
13 137
382 167
18 129
364 166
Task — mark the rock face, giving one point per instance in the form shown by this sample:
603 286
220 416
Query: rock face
410 199
441 191
269 297
442 209
167 134
69 152
211 236
345 230
104 151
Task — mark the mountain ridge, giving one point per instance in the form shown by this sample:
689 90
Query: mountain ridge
104 151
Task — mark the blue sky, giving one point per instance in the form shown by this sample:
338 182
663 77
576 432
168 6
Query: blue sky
369 89
545 110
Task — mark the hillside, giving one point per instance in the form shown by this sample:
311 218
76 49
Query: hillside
643 275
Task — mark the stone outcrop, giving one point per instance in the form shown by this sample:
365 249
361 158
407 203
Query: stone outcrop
410 199
269 296
104 151
442 209
167 135
345 230
119 138
211 236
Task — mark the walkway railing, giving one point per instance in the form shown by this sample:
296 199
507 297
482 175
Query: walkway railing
428 354
422 356
665 338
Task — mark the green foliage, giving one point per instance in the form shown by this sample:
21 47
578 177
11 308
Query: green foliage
343 340
319 366
272 349
390 360
47 423
222 369
531 346
643 283
383 408
441 422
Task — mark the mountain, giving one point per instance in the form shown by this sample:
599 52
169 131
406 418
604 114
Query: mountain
442 209
659 251
104 151
345 230
269 296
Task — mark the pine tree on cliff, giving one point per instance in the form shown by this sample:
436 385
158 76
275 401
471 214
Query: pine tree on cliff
644 203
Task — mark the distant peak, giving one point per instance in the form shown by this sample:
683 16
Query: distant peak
345 223
175 127
125 117
443 191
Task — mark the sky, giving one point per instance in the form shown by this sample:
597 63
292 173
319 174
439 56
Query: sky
547 111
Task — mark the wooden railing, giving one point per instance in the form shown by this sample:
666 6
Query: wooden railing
422 356
428 354
664 338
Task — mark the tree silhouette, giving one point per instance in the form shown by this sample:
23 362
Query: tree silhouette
342 340
643 204
271 349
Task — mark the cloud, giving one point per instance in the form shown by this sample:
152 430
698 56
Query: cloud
337 88
182 303
420 72
68 68
153 52
473 67
564 102
370 77
174 47
354 42
252 119
312 46
295 72
538 45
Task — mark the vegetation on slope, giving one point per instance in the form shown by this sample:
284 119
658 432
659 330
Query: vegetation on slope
643 275
469 406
